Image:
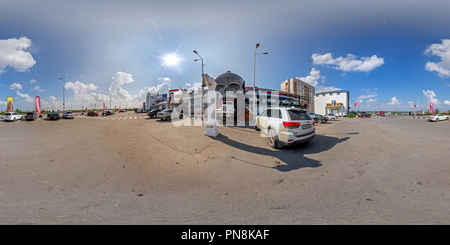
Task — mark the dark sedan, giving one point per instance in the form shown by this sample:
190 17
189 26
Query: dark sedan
153 113
92 113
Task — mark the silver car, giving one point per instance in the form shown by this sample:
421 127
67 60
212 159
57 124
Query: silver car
68 114
285 126
164 114
12 116
331 117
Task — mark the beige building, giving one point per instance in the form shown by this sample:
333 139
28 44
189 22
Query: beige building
305 90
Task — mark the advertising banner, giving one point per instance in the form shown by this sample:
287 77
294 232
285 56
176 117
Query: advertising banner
104 107
431 108
9 103
37 101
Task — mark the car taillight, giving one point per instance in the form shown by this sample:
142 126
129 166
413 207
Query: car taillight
291 124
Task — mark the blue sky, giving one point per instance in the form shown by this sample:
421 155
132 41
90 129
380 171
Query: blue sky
378 50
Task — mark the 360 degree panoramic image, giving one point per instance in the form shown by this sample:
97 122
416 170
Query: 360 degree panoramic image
224 112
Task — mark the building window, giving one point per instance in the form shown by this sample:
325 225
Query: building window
331 94
338 93
323 94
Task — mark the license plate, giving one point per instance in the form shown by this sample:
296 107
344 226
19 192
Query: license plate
305 126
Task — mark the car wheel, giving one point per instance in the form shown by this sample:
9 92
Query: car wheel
437 119
272 139
257 129
168 118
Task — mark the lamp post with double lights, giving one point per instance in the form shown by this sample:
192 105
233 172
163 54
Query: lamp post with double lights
203 83
64 98
254 80
415 99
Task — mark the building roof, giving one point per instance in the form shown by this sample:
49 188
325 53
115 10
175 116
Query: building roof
346 91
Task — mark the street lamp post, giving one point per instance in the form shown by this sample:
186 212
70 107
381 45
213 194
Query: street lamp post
415 99
64 99
254 80
34 98
203 83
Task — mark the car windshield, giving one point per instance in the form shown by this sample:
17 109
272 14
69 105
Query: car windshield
30 113
7 114
298 115
69 112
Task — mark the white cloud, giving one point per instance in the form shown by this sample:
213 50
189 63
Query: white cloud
15 86
162 88
12 54
50 103
33 81
394 101
447 102
79 87
371 101
312 79
320 89
349 63
443 51
431 96
25 96
116 90
367 96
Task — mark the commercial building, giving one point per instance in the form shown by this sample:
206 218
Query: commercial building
336 102
305 91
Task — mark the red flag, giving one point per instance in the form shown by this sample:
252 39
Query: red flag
357 103
37 100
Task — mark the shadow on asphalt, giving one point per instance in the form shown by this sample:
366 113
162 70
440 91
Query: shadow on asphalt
293 157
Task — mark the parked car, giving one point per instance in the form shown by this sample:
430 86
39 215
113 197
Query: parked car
165 114
12 116
285 126
152 113
319 118
331 117
122 110
55 115
437 117
31 116
92 113
68 114
107 113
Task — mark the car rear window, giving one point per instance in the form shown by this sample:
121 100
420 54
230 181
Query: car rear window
30 113
7 114
298 115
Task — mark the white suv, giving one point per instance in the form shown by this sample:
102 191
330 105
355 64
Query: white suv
331 117
12 116
285 126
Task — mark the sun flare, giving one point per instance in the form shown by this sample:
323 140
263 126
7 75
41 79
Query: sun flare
171 60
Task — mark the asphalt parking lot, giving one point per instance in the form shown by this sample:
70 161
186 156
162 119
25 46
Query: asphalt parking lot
136 170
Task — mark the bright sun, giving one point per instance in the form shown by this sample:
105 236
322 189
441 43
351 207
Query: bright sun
171 60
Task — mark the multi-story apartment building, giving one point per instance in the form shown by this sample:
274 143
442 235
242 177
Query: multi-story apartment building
336 102
303 89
